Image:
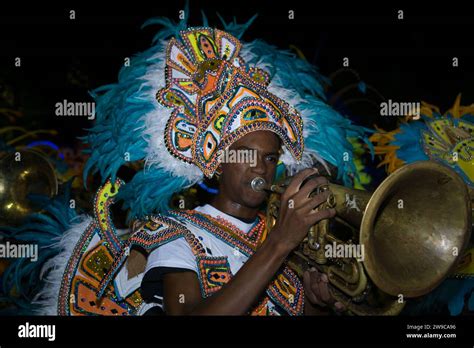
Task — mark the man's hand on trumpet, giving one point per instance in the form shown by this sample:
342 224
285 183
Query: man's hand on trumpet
298 212
317 291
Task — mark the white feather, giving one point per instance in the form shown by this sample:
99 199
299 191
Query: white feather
54 268
158 156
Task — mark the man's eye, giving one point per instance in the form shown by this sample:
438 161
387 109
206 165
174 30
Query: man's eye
272 159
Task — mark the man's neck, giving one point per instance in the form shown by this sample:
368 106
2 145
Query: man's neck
243 213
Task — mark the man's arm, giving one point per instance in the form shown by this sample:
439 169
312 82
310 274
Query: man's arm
182 294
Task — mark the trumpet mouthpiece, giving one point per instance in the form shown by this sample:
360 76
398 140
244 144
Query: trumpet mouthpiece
258 184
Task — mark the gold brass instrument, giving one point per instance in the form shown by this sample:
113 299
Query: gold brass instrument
412 230
22 174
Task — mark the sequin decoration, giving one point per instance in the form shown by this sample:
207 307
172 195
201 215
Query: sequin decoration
451 142
287 291
214 272
262 309
97 262
246 243
82 276
102 200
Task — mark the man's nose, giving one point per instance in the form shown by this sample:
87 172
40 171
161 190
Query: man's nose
260 166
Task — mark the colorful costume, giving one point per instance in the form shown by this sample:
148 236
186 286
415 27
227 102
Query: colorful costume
175 108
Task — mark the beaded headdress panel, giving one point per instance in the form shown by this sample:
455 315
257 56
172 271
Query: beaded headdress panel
217 99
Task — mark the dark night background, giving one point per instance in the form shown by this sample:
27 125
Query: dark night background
409 60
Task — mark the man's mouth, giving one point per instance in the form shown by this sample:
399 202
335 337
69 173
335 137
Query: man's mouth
248 184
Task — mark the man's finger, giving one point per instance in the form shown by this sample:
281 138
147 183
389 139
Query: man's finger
339 307
324 291
309 293
315 201
296 181
315 279
318 215
310 186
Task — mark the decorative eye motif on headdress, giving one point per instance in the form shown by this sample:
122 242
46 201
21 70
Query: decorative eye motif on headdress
451 141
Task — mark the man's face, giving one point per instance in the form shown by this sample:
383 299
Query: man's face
264 147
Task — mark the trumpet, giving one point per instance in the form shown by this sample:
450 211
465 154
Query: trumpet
412 231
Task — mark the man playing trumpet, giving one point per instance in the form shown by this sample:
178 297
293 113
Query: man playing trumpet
227 263
238 203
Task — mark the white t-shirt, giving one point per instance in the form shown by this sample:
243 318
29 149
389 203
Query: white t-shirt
178 253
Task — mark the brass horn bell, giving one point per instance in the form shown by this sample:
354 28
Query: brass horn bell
22 174
414 229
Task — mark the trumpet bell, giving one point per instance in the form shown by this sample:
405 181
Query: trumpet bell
22 175
414 228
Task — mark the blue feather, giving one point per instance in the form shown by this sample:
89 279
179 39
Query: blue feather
150 191
450 296
171 28
235 28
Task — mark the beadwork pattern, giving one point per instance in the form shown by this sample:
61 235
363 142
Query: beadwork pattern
214 272
286 289
80 284
446 137
102 201
246 243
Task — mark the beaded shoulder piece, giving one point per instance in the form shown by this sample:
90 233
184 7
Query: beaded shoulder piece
93 257
246 243
88 284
